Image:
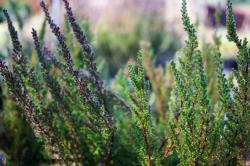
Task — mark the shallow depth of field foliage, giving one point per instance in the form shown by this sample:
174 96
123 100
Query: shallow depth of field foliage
188 114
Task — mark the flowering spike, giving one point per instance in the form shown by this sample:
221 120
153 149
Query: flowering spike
84 91
89 53
188 26
17 54
231 25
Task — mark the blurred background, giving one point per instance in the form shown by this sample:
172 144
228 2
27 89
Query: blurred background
116 28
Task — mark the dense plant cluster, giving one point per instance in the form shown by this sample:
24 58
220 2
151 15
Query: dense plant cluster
198 115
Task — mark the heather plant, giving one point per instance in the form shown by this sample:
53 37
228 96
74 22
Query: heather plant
149 129
17 139
201 130
207 51
192 120
238 112
199 116
161 81
38 94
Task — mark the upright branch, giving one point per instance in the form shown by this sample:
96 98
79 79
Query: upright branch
240 114
89 56
85 44
190 99
17 53
21 95
91 67
141 107
189 27
84 90
231 25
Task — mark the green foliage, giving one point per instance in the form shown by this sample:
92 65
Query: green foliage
202 129
17 138
240 1
117 45
141 109
20 10
199 116
161 81
193 126
239 112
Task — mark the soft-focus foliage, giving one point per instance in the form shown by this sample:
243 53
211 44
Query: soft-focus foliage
187 114
118 45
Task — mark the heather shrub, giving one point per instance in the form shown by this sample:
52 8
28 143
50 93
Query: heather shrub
18 141
187 114
203 131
